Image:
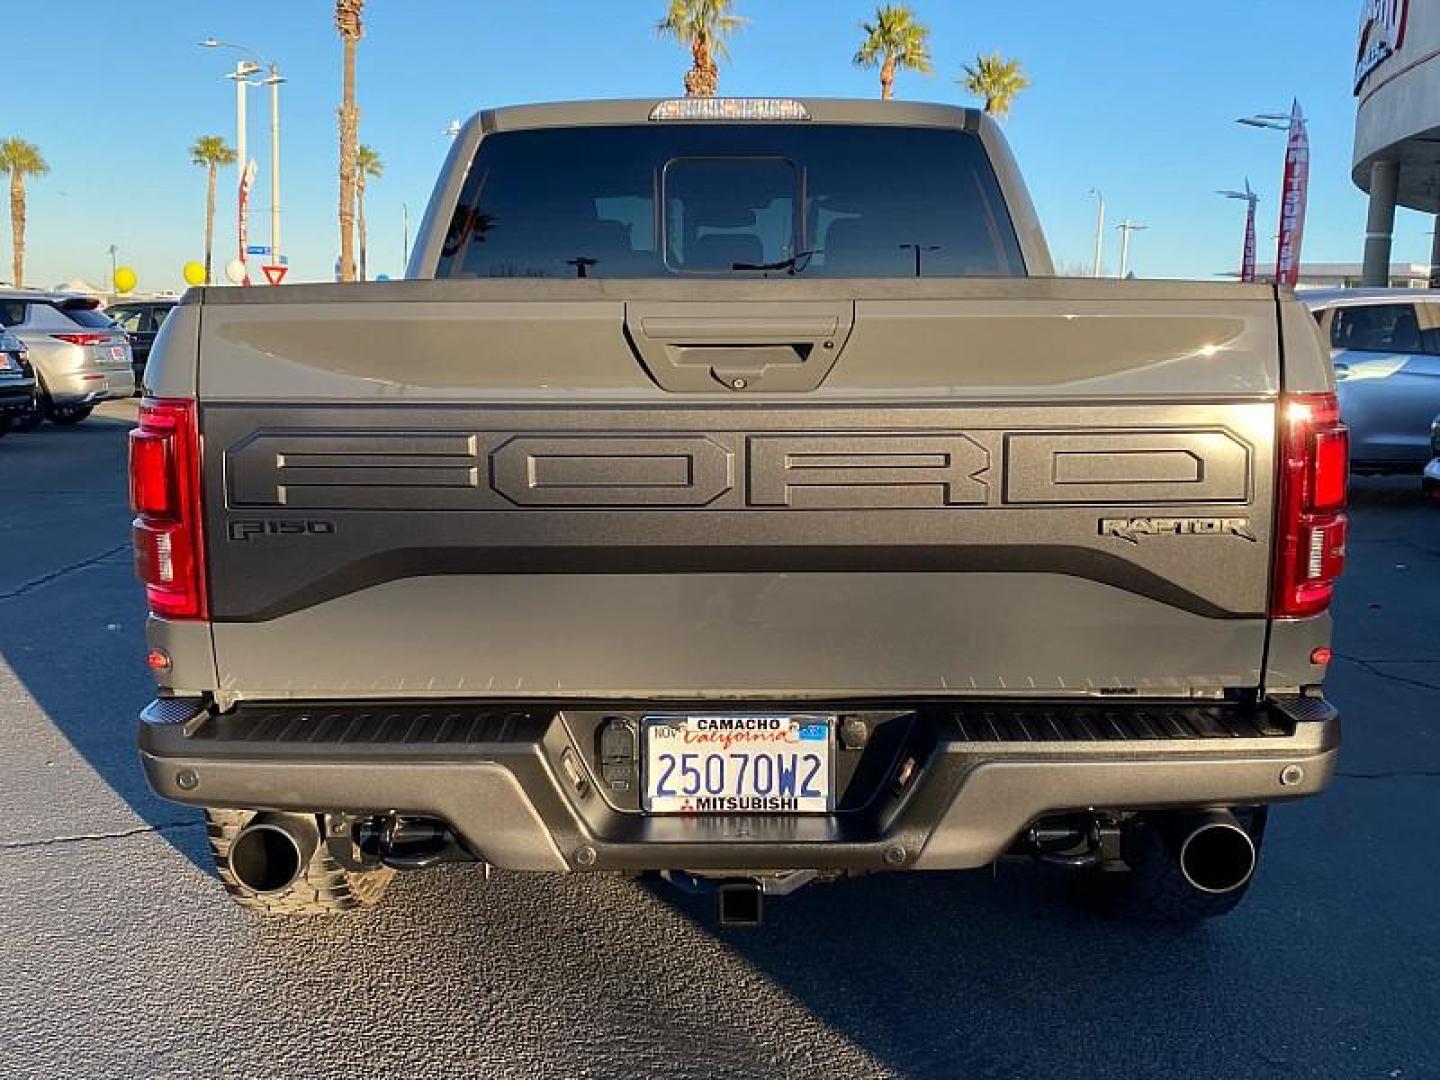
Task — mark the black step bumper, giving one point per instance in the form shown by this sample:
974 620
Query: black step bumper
523 786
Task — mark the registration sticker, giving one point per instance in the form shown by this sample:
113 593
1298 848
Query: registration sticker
739 764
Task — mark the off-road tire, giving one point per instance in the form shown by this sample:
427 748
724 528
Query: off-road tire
1154 890
326 887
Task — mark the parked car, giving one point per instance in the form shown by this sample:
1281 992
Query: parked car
141 321
1431 479
80 357
17 382
799 523
1385 345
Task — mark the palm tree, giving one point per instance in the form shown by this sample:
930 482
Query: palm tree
703 26
20 159
367 164
211 152
894 41
351 30
997 80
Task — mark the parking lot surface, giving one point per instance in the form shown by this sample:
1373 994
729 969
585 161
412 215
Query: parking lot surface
122 957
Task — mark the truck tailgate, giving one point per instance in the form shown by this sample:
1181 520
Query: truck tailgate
781 488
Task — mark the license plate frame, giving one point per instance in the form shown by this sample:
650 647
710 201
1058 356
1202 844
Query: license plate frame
681 788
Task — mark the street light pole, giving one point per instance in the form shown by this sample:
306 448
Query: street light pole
1099 231
244 69
1294 191
405 249
920 250
1247 260
1125 228
273 81
241 77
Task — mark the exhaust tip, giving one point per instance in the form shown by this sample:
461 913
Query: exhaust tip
269 855
1218 856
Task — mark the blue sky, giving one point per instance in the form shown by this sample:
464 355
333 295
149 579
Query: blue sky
1136 97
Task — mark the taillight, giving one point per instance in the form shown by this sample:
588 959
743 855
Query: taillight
165 494
1314 451
83 339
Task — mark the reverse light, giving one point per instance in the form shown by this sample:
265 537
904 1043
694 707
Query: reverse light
1314 451
165 495
730 109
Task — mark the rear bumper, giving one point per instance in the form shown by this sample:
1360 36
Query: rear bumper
88 386
17 396
521 787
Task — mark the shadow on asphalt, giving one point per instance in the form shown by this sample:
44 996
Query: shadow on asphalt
72 616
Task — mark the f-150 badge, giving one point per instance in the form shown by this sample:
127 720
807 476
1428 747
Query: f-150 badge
1131 529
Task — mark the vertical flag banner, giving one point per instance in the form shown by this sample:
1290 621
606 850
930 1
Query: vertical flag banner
1247 263
1293 202
243 228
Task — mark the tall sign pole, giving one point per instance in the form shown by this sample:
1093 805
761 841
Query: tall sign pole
1296 193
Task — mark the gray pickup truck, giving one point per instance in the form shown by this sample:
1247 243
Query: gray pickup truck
734 494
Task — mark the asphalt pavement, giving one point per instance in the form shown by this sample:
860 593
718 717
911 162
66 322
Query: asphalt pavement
122 957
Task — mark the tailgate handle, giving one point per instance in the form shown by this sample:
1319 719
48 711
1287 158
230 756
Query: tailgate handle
768 346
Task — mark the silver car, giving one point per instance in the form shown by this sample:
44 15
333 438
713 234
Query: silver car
80 356
1385 345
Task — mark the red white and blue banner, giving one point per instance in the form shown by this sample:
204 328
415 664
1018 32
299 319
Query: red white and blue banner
1293 201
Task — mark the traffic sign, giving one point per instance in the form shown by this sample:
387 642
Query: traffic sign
274 274
257 249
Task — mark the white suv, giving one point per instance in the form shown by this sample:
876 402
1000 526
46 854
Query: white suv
80 356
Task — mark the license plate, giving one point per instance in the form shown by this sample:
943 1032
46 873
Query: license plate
739 764
117 353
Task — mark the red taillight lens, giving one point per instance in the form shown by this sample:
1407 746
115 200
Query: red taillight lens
83 339
165 493
1332 469
1314 476
153 485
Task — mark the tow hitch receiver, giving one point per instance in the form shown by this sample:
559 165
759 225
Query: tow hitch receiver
740 903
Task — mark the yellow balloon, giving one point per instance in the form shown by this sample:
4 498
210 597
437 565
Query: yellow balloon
193 273
125 279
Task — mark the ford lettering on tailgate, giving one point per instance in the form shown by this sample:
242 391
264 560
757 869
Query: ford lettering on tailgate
457 470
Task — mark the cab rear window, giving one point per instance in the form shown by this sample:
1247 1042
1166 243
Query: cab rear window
700 200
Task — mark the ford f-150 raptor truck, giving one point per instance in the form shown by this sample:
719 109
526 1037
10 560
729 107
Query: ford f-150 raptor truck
732 492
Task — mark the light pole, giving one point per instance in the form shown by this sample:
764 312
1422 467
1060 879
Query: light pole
1099 230
244 69
920 251
1294 190
405 248
1247 260
114 251
1125 228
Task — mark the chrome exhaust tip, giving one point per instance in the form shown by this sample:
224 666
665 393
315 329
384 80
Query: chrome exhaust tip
270 853
1215 853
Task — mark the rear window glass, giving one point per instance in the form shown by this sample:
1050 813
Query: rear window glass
12 312
90 318
731 200
1390 328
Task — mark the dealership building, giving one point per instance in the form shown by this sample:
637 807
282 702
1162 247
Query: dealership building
1397 124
